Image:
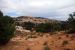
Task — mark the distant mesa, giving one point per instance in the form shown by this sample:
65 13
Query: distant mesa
34 19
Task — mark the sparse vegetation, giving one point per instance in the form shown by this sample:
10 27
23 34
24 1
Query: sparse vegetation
48 27
68 26
42 31
71 23
45 43
65 42
28 49
28 25
59 37
67 35
47 48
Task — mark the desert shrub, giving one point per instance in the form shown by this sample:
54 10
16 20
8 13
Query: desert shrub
40 30
71 31
28 49
7 28
28 25
44 27
52 33
47 48
71 23
45 43
65 42
67 35
1 14
56 26
48 27
59 37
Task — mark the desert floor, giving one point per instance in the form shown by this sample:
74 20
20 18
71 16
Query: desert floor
53 42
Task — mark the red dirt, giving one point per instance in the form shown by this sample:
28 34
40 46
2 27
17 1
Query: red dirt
54 42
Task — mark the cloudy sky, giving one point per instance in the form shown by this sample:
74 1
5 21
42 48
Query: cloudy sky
54 9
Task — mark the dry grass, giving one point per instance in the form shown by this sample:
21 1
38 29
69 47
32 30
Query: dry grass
54 42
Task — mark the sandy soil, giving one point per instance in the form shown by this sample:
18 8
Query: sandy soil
54 42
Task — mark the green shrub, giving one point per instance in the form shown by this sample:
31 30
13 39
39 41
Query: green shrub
71 23
71 31
7 28
47 47
40 30
28 25
44 27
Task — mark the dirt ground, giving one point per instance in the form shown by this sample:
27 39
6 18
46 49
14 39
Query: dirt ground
54 42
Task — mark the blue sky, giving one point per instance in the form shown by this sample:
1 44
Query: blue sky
53 9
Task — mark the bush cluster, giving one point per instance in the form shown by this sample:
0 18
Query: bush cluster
7 28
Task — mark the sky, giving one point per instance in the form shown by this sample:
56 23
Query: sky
53 9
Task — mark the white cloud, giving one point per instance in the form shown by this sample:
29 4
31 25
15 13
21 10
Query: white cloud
49 8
